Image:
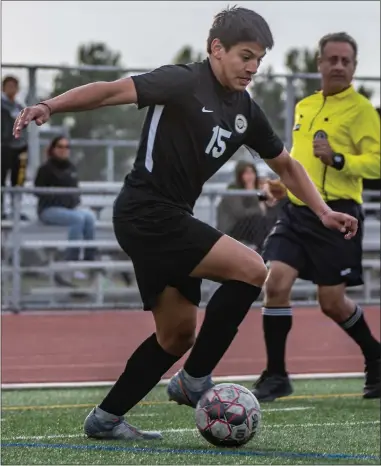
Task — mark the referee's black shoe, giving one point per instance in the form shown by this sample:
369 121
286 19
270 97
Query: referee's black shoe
269 387
372 387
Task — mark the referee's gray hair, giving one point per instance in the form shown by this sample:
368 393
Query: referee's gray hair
236 24
337 37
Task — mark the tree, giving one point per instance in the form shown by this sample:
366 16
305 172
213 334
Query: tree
365 91
303 61
269 93
121 122
186 55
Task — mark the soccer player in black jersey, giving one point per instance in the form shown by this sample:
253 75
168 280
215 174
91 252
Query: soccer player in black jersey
198 116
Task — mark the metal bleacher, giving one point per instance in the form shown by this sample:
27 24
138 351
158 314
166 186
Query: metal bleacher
41 245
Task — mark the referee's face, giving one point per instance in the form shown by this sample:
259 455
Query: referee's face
337 66
238 65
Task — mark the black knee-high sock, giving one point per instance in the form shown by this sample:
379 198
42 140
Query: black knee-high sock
357 328
224 313
277 323
143 371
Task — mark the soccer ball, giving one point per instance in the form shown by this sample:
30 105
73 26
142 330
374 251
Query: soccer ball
228 415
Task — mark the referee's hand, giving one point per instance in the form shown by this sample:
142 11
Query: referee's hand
345 223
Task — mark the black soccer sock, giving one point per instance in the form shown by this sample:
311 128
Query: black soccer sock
143 371
357 328
224 313
277 323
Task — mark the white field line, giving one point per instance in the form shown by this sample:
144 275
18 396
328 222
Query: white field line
177 431
233 379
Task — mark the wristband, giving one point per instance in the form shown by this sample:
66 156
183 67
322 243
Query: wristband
46 105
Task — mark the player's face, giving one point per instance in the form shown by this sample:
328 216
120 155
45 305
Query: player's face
337 66
238 64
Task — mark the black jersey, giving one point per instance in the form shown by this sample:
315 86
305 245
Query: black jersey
193 126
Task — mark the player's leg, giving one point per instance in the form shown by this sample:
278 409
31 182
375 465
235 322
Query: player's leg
242 273
286 258
350 317
175 319
332 277
276 323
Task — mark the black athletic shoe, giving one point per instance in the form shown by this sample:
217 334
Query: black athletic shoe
372 387
269 387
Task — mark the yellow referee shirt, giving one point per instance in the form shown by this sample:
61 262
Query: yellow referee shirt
352 127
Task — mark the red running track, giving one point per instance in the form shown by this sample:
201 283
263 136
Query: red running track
94 346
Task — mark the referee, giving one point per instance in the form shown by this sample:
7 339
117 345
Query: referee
336 138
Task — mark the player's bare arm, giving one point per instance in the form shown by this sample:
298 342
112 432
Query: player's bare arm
87 97
295 178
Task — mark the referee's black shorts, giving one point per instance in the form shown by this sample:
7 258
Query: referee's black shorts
165 243
320 255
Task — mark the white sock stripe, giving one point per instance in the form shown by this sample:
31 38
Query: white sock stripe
353 319
277 311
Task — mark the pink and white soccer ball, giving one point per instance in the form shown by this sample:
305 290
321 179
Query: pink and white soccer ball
228 415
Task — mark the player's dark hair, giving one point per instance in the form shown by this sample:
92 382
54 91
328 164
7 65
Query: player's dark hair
337 37
237 24
10 79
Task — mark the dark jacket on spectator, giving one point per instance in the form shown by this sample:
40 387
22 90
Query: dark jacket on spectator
235 207
9 112
60 174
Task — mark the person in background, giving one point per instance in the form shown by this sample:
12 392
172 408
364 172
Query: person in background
14 155
336 138
244 217
64 209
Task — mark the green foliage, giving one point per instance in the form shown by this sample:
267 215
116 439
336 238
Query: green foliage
119 122
269 93
187 55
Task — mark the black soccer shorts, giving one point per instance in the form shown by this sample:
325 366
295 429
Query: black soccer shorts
165 244
323 256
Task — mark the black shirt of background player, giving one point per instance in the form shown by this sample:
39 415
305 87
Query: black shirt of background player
193 126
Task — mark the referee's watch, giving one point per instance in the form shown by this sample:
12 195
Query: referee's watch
338 161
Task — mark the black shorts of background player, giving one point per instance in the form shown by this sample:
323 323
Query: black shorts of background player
198 116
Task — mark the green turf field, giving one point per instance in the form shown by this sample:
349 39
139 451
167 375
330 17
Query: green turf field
326 422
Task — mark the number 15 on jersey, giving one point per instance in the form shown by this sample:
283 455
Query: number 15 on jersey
217 144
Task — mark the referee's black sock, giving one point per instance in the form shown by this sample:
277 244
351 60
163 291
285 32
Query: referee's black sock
277 323
143 371
224 313
357 328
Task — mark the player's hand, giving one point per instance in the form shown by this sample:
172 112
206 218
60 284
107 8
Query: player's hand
38 113
323 151
345 223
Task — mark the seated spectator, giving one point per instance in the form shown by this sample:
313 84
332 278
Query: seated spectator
64 209
244 217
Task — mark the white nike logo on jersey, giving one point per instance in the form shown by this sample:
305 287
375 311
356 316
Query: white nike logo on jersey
206 111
